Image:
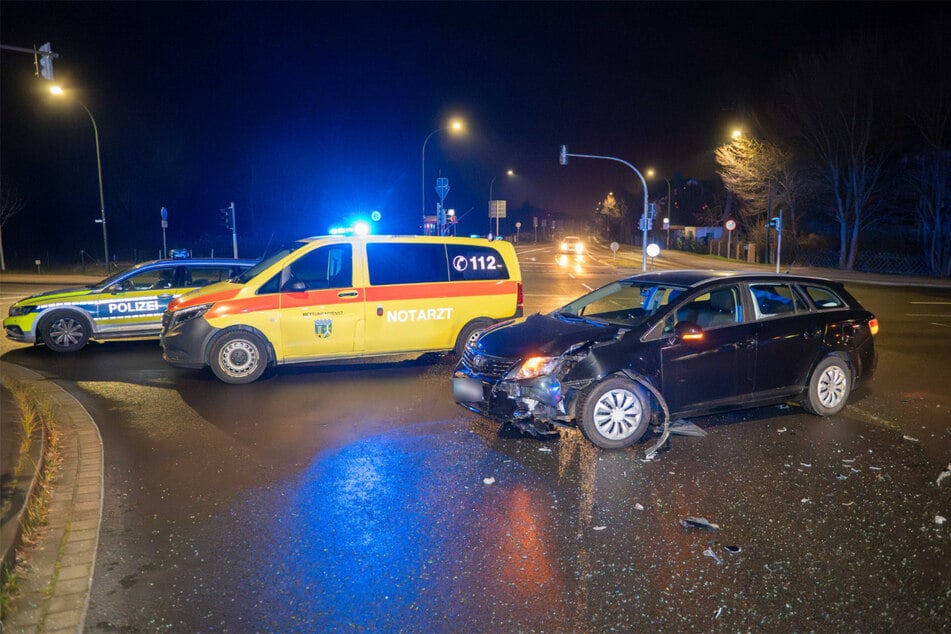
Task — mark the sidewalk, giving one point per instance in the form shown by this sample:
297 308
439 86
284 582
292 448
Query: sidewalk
631 257
54 594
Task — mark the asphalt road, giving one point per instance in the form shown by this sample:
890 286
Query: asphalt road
355 497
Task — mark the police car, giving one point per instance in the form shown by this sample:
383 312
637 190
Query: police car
127 305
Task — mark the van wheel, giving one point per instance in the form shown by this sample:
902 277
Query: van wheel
471 329
65 331
615 413
829 387
238 357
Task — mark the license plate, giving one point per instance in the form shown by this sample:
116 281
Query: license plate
467 390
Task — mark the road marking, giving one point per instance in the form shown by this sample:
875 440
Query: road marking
934 323
587 287
926 314
933 303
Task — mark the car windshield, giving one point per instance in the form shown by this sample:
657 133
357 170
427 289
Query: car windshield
112 279
248 275
624 302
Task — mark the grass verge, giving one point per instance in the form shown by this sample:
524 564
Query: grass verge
35 412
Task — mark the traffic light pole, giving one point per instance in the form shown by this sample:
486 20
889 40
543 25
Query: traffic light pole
563 159
234 231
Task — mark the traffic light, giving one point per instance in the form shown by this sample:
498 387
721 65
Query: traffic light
563 155
440 215
46 61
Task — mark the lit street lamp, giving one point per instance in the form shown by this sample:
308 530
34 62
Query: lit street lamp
491 183
455 125
56 90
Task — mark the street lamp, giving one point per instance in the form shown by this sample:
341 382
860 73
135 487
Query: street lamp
56 90
456 126
491 183
650 174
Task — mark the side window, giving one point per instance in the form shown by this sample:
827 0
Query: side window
720 307
771 300
153 279
196 276
475 263
325 267
402 263
824 298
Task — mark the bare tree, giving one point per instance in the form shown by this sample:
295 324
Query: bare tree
830 102
11 203
928 103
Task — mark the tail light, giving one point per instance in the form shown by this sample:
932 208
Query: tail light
520 297
873 326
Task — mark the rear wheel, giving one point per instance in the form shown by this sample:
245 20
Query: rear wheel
615 413
239 357
829 387
474 327
64 331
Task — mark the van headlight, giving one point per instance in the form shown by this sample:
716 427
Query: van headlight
534 367
18 311
186 314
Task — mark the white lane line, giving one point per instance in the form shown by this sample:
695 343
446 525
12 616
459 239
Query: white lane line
587 287
926 315
932 303
934 323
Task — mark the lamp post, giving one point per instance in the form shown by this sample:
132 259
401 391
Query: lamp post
650 174
56 90
491 183
455 125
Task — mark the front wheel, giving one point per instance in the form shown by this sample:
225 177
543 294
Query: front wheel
829 387
615 413
65 332
239 357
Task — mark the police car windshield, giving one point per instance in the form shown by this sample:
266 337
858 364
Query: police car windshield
248 275
623 302
112 279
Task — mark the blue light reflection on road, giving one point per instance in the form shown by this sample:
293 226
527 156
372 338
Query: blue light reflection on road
381 535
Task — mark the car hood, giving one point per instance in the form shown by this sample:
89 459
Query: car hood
61 293
546 335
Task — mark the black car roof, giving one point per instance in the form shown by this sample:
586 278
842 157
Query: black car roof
696 277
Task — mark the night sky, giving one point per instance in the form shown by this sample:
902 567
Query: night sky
306 114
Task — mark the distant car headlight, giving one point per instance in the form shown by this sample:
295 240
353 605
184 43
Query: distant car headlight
564 246
534 367
185 314
17 311
579 248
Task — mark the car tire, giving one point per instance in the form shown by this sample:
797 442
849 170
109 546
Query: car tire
829 387
65 331
474 327
615 413
239 356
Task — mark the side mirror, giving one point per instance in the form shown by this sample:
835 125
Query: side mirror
115 288
688 331
294 286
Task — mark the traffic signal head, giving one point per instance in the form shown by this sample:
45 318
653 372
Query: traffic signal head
563 155
46 61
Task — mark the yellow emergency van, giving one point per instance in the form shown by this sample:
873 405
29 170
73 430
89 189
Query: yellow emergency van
345 297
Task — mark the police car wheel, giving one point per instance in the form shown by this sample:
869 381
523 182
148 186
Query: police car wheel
64 331
239 357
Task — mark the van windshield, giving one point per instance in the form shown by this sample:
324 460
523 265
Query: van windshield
248 275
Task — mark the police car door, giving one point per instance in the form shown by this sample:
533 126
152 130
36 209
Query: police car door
321 311
134 305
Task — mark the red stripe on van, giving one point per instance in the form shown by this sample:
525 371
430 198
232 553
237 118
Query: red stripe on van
441 289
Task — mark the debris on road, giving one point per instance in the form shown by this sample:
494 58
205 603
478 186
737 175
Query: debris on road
781 430
940 520
709 553
488 480
944 474
733 549
638 506
910 438
699 522
599 528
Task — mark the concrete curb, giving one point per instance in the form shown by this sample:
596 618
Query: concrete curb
54 595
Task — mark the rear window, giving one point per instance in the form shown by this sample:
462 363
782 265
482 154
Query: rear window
396 263
824 298
475 263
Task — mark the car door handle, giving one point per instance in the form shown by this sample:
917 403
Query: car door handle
347 294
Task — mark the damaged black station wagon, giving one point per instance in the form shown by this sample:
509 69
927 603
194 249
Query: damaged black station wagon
661 346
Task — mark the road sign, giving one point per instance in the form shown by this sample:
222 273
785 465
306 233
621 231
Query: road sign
730 224
442 188
496 209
